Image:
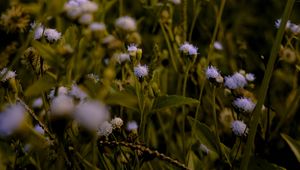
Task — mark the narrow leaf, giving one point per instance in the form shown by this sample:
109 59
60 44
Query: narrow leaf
42 85
172 101
294 145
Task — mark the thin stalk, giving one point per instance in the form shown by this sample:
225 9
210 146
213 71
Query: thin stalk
184 18
215 119
265 84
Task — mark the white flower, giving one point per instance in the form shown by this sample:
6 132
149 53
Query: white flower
61 105
187 48
77 92
175 1
91 114
7 74
237 80
108 39
89 7
117 122
105 129
212 72
86 19
132 125
39 129
38 30
37 103
126 23
278 22
60 91
122 57
239 128
52 35
94 77
295 28
96 26
250 77
244 104
218 45
132 48
204 148
11 119
141 71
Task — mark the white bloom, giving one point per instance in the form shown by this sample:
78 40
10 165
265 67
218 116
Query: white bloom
204 148
188 49
141 71
11 119
218 45
96 26
122 57
193 50
39 129
132 125
175 1
126 23
132 48
239 128
89 7
250 77
7 74
237 80
37 103
278 22
60 91
61 105
295 28
38 30
86 19
117 122
77 92
91 114
244 104
52 35
105 129
108 39
212 72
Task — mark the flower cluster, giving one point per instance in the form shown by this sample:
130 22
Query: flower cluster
239 128
52 35
188 48
244 104
6 74
126 23
294 28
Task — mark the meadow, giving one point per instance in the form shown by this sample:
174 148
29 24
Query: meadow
149 84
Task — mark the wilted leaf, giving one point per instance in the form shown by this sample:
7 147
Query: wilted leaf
42 85
172 101
293 144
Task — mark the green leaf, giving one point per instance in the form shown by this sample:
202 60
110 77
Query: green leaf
204 134
172 101
122 98
70 36
47 52
42 85
261 164
293 144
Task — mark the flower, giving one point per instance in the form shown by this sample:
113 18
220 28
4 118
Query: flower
218 45
244 104
212 72
122 57
250 77
204 148
86 19
61 105
176 2
132 48
131 125
60 91
77 8
91 114
187 48
7 74
77 92
278 22
11 119
126 23
96 26
38 30
294 28
117 122
237 80
141 71
52 35
37 103
239 128
88 6
39 129
105 129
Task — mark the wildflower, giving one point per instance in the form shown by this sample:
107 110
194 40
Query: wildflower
117 122
239 128
250 77
61 105
105 129
176 2
204 148
237 80
39 129
244 104
37 103
132 125
126 23
96 26
212 72
86 19
60 91
93 77
88 6
7 74
108 39
38 30
141 71
187 48
91 114
278 22
294 28
77 92
218 45
122 57
52 35
132 48
11 119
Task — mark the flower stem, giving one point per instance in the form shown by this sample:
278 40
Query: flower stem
265 84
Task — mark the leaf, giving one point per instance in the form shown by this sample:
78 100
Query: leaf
261 164
293 144
47 52
42 85
172 101
122 98
70 36
204 134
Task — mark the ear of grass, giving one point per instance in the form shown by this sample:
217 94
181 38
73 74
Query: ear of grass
265 84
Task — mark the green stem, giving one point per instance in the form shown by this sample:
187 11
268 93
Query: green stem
184 17
216 120
265 84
